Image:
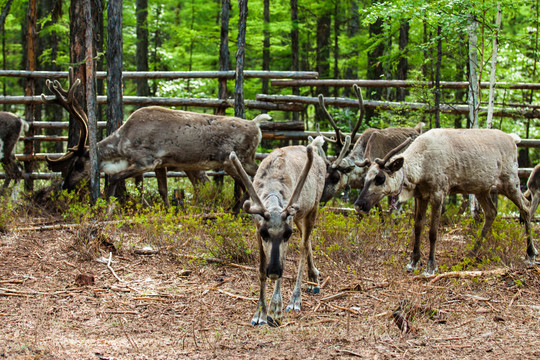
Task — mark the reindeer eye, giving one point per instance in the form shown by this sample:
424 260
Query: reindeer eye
380 179
264 234
287 234
335 176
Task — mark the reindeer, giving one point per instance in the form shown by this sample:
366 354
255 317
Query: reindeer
286 189
533 190
11 128
443 161
154 139
372 144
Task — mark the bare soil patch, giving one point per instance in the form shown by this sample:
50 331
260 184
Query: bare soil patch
171 306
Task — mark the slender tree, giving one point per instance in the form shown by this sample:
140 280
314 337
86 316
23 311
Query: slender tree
224 63
239 108
266 43
141 7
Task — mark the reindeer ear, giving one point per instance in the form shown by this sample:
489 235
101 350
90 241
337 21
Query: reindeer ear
289 211
395 165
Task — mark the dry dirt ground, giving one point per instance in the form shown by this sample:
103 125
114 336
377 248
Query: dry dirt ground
172 307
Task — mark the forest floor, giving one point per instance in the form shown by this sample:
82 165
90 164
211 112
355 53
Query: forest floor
57 304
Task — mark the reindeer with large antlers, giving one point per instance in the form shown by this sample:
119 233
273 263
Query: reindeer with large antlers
444 161
286 189
372 143
154 139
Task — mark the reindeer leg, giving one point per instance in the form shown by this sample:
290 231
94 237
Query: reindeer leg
419 220
276 304
313 273
161 175
513 193
490 212
436 207
260 317
305 225
534 205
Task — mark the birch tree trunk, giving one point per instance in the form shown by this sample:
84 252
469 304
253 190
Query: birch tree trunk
492 76
473 92
239 107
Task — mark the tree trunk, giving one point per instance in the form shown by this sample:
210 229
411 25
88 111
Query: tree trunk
353 26
374 68
492 77
224 52
473 94
403 64
438 79
239 107
295 47
142 45
266 44
91 103
323 57
336 45
31 40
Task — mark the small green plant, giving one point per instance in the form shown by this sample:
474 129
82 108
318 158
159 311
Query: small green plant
230 237
7 213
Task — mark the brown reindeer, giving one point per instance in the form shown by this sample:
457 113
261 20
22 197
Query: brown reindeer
444 161
372 143
154 139
11 128
286 189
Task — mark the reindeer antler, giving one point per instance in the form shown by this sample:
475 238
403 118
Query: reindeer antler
393 152
362 111
67 99
339 135
258 206
292 206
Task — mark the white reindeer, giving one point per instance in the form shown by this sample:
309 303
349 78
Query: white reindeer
286 189
443 161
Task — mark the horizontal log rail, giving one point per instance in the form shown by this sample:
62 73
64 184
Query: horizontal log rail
153 100
399 84
395 106
261 74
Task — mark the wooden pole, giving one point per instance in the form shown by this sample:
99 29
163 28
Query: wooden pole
239 108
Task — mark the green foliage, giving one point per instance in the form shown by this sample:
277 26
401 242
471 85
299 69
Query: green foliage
231 237
7 213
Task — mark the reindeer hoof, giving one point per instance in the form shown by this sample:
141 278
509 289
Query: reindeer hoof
316 290
258 322
272 322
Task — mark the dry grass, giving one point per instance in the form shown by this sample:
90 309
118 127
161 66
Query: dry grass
173 304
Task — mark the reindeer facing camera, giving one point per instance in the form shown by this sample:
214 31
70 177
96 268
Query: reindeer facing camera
286 189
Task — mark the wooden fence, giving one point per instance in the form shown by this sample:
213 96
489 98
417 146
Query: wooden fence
270 130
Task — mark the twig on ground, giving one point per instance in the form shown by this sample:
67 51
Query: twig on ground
11 281
234 295
111 269
349 352
463 274
344 308
514 298
219 261
325 282
335 296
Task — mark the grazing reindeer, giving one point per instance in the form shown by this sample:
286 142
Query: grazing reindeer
286 189
372 144
533 190
154 139
443 161
11 127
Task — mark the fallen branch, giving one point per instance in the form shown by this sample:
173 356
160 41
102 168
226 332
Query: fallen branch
349 352
463 274
219 261
335 296
344 308
11 281
111 269
234 295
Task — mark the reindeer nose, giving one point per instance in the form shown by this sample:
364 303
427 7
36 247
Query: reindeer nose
274 273
361 206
